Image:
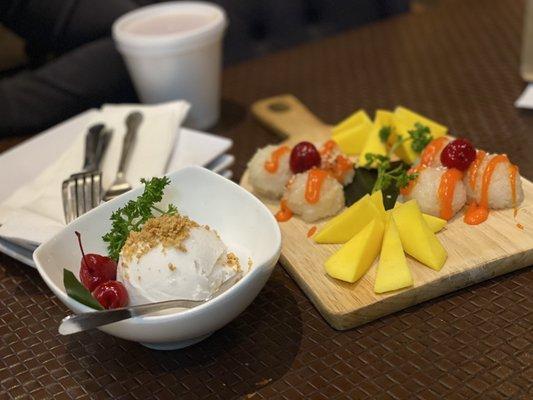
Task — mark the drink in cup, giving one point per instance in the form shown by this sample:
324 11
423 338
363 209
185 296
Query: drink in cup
173 51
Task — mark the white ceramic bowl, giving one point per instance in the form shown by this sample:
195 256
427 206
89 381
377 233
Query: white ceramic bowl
241 220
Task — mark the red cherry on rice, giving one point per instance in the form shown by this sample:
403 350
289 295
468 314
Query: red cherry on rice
111 294
95 269
304 156
459 154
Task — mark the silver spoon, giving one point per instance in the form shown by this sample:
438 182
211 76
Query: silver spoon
120 185
90 320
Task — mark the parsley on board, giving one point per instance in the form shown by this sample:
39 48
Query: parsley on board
419 137
135 213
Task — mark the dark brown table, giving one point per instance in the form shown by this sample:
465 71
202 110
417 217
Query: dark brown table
457 63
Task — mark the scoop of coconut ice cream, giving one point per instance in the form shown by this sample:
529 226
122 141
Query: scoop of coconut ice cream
174 258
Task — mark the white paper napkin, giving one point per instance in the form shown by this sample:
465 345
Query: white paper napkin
526 98
34 213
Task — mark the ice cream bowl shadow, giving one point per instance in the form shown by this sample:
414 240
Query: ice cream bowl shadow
242 221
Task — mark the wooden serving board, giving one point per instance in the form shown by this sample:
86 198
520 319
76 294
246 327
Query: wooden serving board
475 253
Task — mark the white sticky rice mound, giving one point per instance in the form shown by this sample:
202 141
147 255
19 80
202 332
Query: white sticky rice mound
426 192
263 182
500 193
330 203
328 162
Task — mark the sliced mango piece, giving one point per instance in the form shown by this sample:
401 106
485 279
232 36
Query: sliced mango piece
417 238
377 200
352 139
373 143
411 117
355 257
344 226
393 272
357 118
436 224
404 120
383 118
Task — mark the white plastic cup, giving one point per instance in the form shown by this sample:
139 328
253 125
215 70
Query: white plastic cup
179 56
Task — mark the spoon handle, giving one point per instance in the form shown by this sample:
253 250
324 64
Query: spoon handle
133 120
94 319
90 320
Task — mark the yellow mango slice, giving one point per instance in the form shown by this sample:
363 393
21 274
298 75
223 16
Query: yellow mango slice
377 200
417 238
344 226
373 143
357 118
355 257
404 120
352 139
436 224
411 117
393 272
383 118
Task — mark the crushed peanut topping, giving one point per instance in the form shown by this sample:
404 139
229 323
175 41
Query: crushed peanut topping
170 231
233 261
171 267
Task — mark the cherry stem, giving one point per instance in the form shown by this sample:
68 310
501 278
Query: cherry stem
81 248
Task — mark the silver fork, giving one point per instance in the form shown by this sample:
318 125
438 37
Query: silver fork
82 191
120 185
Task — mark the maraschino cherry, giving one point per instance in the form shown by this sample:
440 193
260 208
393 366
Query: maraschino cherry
111 294
304 156
95 269
459 153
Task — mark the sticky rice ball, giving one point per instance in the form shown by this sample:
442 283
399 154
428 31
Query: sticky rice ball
330 202
500 193
265 182
426 192
335 161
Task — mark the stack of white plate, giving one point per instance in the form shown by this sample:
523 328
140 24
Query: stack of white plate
21 164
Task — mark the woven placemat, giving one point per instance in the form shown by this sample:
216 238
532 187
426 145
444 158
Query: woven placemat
457 63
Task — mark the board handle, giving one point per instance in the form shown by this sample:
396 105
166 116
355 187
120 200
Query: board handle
287 117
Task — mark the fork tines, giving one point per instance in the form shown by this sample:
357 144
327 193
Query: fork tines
81 193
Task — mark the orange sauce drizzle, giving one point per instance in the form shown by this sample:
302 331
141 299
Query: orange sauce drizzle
447 185
272 165
315 180
341 166
478 213
284 214
328 147
311 231
474 168
432 149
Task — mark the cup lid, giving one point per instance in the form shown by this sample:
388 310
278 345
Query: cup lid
211 22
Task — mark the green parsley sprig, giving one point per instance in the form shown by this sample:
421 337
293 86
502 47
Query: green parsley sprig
135 213
419 137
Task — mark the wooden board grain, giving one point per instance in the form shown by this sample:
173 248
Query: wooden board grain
475 253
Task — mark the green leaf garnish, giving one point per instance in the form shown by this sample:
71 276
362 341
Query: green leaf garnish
78 292
365 180
384 133
135 213
420 137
